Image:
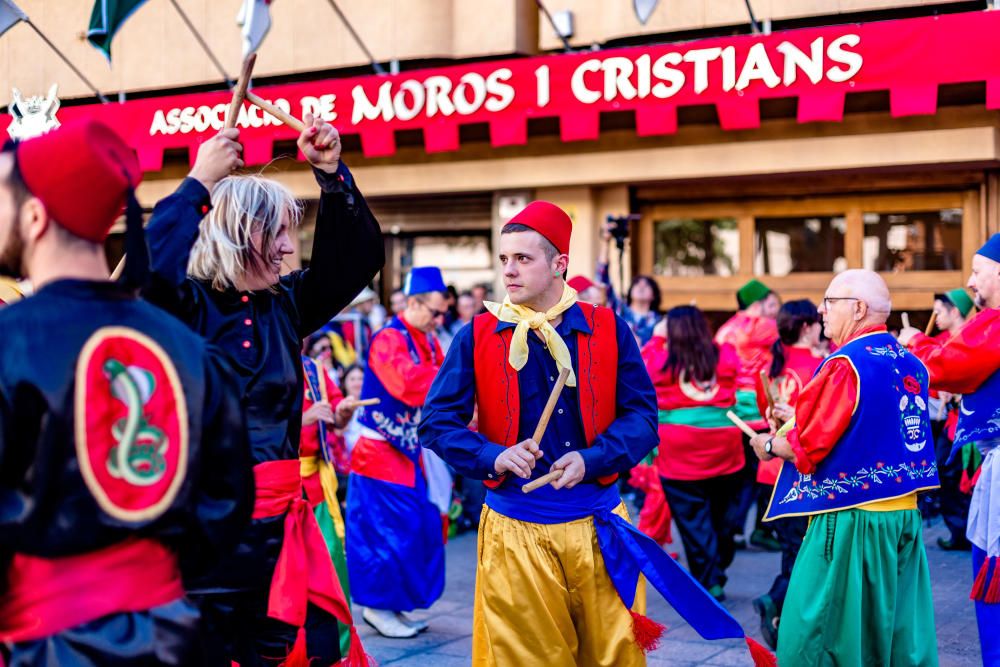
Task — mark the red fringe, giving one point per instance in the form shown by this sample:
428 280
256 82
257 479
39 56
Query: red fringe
646 632
761 656
979 586
298 656
966 485
993 592
357 657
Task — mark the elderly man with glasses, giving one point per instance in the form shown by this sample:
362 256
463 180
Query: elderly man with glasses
857 452
394 536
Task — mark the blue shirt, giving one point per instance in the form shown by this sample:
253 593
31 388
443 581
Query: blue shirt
632 435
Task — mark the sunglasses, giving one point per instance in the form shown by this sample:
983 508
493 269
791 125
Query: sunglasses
434 313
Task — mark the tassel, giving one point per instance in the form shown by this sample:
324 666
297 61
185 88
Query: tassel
993 591
646 632
965 484
761 656
298 656
979 586
356 656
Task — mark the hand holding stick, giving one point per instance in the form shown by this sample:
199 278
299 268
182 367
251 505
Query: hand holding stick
766 381
543 423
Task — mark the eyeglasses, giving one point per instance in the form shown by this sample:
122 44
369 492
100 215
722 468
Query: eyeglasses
828 299
434 313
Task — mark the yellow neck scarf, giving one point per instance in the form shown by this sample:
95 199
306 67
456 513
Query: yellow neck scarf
525 318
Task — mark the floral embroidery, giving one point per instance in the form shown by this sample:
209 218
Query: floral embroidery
809 489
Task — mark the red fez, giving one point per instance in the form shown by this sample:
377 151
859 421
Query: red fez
82 172
580 283
548 220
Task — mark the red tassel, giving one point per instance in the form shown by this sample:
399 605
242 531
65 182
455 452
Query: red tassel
298 656
646 632
993 592
357 657
761 656
979 586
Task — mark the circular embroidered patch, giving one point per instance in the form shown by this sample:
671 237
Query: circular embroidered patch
131 424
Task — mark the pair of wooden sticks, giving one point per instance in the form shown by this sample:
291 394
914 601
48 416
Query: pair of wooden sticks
543 423
930 323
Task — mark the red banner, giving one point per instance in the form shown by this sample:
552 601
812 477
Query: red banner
909 58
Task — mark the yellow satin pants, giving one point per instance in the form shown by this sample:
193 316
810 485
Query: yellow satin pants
543 597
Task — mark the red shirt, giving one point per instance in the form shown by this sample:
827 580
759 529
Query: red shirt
824 409
967 359
390 360
752 337
693 453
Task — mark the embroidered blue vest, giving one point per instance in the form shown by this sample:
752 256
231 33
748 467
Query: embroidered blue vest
887 451
391 418
979 414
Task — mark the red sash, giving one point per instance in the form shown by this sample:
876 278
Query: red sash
304 572
49 595
497 381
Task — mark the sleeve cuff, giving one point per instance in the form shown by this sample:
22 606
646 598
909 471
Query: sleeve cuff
191 190
592 457
802 461
487 457
339 181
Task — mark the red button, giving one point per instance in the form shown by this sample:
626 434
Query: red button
248 321
244 298
246 344
205 208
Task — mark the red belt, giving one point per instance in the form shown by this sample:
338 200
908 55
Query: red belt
49 595
305 571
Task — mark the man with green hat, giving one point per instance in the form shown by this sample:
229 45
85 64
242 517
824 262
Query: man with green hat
950 312
752 331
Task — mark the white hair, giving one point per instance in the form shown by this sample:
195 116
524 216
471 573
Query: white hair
241 206
867 286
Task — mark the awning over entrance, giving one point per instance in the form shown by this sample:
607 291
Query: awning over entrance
908 58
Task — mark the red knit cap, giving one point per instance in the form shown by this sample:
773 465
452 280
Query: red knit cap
82 172
548 220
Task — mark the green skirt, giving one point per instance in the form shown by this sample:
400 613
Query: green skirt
860 594
336 548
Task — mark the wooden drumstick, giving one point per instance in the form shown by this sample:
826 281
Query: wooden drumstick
543 423
767 391
240 91
367 402
743 426
930 324
279 113
906 320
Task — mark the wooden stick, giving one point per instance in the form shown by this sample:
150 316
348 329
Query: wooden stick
906 320
767 392
930 324
543 423
743 426
117 273
279 113
547 478
366 402
240 91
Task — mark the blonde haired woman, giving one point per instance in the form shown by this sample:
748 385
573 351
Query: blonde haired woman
223 277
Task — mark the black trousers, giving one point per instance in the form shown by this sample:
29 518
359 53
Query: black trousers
790 530
168 635
748 491
238 629
954 505
705 514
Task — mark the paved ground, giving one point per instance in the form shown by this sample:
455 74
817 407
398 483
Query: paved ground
448 643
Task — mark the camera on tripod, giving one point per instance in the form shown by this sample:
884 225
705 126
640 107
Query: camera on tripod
618 225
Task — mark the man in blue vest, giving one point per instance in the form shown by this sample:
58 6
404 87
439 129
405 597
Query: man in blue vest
860 591
394 537
968 363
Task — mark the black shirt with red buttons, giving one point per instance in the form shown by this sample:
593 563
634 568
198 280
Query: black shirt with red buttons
262 331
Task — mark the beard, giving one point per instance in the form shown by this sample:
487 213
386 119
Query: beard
12 256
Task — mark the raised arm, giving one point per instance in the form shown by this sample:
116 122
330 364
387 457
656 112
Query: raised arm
347 249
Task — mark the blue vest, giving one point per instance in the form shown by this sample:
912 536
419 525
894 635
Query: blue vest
391 418
887 451
979 413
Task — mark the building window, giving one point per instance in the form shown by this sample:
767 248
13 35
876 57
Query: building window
696 247
799 244
918 241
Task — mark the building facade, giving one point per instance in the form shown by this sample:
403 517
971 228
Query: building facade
851 133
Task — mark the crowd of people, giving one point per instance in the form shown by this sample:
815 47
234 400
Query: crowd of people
215 457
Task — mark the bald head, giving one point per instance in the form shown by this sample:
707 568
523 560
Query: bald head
866 286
